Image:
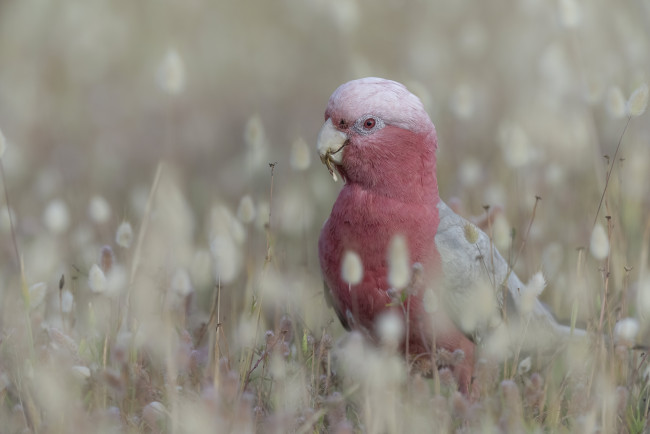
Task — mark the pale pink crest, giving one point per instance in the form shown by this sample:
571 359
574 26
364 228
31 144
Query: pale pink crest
387 99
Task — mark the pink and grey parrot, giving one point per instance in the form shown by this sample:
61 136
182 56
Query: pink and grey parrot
462 293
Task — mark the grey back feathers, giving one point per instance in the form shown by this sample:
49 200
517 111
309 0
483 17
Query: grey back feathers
484 297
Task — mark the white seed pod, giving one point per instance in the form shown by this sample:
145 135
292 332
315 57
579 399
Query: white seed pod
552 259
390 328
227 258
431 301
116 280
482 311
638 101
599 245
96 279
201 268
399 271
80 372
99 209
67 301
246 209
531 291
626 330
181 283
616 105
470 172
171 73
570 13
524 366
536 284
300 155
256 143
351 268
124 235
501 233
37 294
255 134
57 216
515 145
463 101
471 233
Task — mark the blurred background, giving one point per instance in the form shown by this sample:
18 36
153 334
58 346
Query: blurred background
528 98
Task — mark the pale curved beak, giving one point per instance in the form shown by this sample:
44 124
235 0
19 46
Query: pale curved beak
330 146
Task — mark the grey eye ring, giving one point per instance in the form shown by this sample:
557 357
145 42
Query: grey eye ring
368 124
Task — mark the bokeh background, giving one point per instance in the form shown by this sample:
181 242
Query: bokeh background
528 98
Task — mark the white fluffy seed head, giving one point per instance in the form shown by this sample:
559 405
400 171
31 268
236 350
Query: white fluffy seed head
390 328
515 145
524 366
224 223
399 271
181 283
616 104
124 235
463 101
254 133
3 144
570 13
116 280
96 279
501 233
67 301
470 172
431 301
227 258
57 216
531 292
637 103
300 155
351 268
471 233
201 268
536 284
552 259
246 209
99 209
626 330
256 143
482 311
171 73
37 294
599 245
80 372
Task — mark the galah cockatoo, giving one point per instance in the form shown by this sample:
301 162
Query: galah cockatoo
461 292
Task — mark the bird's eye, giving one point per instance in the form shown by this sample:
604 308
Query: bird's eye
369 123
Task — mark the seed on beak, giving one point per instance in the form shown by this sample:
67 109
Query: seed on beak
330 145
327 161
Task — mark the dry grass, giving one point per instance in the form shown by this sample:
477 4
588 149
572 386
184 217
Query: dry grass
206 313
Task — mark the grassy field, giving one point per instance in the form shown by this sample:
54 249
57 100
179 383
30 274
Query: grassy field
162 198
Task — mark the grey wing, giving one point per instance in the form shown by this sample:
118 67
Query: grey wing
479 290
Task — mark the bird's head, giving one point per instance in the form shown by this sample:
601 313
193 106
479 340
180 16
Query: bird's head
377 134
